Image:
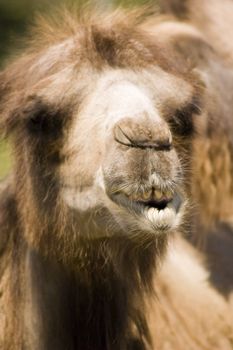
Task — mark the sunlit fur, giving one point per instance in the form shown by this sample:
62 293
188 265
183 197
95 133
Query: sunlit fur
78 270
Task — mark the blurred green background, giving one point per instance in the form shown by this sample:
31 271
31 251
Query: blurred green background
15 17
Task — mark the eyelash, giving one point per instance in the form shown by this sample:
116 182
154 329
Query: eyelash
182 124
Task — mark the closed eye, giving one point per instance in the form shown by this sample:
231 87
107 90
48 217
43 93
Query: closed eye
43 120
182 121
44 124
182 124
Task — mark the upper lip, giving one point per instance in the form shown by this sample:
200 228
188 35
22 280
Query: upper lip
153 198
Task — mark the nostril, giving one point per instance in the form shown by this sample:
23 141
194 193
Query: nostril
132 134
163 136
122 135
164 142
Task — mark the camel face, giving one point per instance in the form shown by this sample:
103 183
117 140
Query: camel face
120 154
102 120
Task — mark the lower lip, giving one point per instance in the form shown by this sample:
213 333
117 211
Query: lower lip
166 218
161 220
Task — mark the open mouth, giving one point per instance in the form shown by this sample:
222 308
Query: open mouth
160 208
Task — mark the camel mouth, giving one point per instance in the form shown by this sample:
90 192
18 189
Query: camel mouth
163 214
161 208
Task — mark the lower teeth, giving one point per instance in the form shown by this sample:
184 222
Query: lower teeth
161 218
152 213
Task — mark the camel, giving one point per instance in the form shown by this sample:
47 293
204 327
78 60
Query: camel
116 220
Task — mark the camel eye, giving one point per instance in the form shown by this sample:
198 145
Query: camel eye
182 121
39 124
182 124
43 122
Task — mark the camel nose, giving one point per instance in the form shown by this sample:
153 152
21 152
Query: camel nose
145 134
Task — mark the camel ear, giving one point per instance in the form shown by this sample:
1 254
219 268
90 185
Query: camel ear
194 50
186 41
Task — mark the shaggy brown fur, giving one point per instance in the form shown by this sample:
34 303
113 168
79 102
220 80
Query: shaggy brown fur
78 276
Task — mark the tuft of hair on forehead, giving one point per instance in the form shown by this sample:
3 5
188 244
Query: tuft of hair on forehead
60 44
117 37
66 21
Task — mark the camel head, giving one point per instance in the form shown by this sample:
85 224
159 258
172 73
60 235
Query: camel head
102 121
